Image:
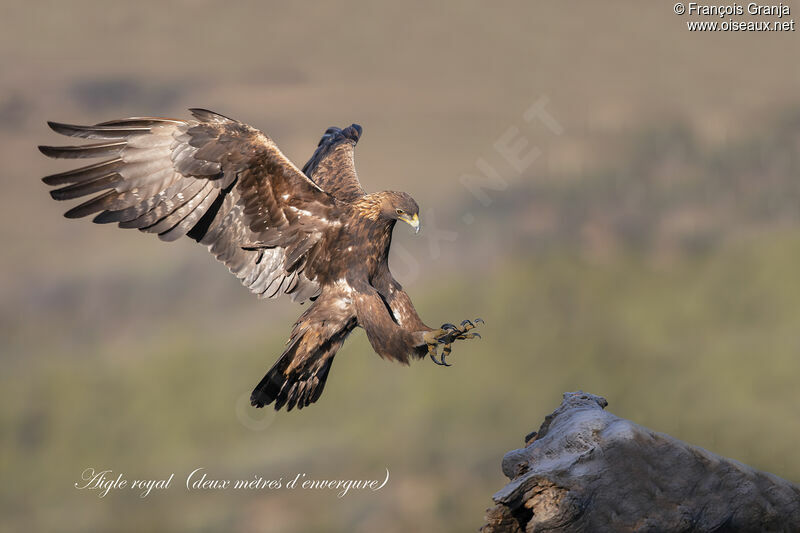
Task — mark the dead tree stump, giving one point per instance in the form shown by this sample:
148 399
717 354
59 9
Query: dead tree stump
588 470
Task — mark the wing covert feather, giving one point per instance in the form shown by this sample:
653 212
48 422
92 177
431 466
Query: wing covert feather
217 180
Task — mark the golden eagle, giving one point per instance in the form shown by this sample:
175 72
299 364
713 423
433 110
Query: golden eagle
312 234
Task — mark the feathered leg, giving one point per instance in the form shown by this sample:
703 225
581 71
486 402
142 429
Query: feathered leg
298 377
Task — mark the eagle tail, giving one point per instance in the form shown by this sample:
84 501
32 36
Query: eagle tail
301 384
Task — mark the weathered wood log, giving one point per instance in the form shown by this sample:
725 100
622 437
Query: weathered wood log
588 470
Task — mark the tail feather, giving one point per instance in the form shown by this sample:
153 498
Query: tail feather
298 376
297 385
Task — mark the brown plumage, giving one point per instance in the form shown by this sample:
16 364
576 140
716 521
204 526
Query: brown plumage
312 234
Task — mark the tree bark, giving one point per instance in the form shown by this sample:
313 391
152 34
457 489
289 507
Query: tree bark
588 470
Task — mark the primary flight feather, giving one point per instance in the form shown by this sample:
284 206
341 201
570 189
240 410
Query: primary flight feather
312 234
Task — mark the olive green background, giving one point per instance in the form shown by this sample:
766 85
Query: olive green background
650 253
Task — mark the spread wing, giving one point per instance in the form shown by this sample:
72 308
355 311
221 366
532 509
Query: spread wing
214 179
332 166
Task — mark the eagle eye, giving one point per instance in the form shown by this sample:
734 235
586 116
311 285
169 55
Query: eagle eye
400 212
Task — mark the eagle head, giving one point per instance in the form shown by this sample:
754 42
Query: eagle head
400 206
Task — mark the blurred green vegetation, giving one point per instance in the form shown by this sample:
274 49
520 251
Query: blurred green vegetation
689 328
705 350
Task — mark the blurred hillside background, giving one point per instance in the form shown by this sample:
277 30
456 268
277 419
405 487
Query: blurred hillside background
650 253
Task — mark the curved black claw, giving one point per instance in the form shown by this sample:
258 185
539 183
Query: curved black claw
479 320
445 352
433 358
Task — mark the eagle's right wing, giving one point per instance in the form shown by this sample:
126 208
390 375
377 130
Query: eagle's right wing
332 165
214 179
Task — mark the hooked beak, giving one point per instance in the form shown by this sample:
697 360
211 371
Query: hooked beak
412 221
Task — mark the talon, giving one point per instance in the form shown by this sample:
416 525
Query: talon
432 353
448 334
433 357
445 352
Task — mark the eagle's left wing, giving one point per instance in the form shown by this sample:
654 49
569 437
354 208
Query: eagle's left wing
332 165
214 179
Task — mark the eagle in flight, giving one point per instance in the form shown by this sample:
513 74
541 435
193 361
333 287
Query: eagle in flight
313 234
